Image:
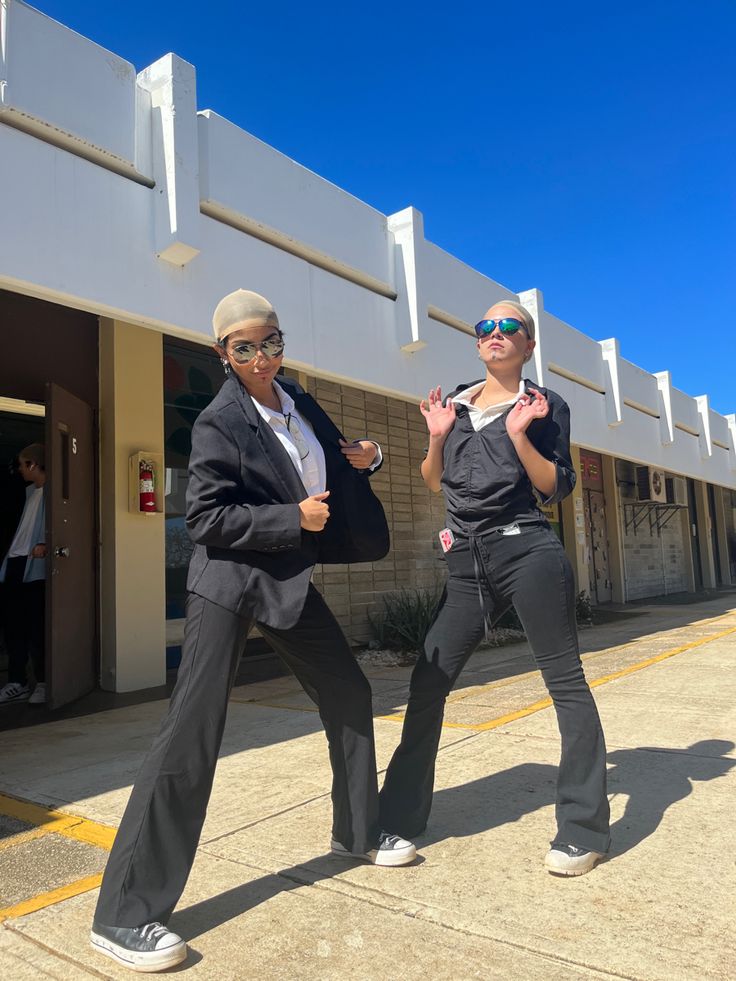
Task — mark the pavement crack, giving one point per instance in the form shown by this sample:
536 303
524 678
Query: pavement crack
267 817
91 971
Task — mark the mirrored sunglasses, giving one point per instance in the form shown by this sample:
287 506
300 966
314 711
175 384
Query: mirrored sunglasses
244 351
507 325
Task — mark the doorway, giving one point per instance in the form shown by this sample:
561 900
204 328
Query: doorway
51 399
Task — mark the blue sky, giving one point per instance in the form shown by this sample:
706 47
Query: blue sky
580 148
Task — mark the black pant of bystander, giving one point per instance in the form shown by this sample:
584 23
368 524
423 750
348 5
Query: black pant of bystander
24 606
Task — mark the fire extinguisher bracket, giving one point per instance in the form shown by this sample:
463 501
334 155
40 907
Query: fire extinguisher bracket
146 482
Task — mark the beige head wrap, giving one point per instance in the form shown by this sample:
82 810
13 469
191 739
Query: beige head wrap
524 316
242 308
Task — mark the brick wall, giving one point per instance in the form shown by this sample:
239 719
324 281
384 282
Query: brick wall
414 514
654 561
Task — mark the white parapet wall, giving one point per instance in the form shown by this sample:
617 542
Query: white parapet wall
120 198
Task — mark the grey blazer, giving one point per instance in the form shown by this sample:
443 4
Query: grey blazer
251 555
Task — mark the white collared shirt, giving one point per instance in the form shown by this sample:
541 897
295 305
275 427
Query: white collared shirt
298 439
481 417
22 543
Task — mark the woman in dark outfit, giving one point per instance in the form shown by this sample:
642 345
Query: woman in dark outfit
263 455
491 444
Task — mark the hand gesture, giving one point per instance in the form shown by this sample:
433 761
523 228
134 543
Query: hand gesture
360 453
526 411
439 418
314 512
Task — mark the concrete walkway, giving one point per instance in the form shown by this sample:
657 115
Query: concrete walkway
266 901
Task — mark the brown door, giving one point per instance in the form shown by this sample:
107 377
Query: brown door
71 602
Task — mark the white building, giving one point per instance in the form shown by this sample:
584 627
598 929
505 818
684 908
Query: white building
127 213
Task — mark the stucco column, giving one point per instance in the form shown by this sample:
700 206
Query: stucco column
132 577
704 541
573 528
722 534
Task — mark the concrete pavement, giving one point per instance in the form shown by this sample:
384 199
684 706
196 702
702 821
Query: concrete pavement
266 901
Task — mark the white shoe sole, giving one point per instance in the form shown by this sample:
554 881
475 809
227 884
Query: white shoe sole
572 870
143 963
383 859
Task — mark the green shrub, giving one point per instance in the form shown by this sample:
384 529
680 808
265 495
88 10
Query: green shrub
409 613
405 620
583 608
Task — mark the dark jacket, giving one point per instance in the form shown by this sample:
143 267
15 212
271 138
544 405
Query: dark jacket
251 555
484 482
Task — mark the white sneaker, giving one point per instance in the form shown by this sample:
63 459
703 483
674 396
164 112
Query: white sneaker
39 694
391 851
570 860
13 692
146 949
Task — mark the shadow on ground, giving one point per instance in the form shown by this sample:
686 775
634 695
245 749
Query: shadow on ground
653 778
651 783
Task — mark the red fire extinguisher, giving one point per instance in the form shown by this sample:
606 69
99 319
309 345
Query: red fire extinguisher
147 496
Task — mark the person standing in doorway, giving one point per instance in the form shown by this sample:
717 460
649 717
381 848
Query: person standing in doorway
492 443
23 575
273 490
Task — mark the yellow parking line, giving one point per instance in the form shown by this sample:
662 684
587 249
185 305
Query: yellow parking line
597 682
50 821
52 897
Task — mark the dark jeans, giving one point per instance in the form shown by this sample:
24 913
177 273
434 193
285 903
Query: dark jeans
25 618
155 846
531 571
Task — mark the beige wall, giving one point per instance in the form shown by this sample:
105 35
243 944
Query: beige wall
132 588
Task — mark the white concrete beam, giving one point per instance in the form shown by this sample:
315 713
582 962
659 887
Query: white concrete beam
731 420
407 227
614 401
172 85
705 440
533 301
666 418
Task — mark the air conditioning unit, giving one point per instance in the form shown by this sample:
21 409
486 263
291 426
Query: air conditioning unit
679 491
650 483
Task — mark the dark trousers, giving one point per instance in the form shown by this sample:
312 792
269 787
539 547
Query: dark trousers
25 617
531 571
155 846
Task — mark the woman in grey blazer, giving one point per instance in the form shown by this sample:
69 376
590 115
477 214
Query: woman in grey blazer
273 489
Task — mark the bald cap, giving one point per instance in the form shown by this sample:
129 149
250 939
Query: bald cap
243 308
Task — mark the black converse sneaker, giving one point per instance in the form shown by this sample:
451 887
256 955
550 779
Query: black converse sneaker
147 948
390 851
570 860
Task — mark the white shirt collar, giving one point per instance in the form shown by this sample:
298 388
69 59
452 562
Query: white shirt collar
465 398
287 404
